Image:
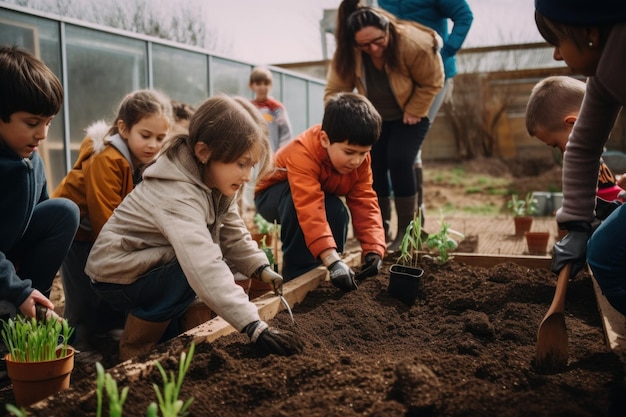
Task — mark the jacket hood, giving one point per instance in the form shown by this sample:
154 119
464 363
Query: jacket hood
98 133
177 165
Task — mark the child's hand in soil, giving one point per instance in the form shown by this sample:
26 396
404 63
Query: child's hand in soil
371 267
274 340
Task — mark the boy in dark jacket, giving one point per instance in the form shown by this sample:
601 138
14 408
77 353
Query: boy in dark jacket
35 231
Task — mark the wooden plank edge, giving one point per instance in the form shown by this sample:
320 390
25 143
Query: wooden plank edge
613 322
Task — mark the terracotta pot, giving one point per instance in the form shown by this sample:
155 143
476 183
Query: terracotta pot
34 381
258 237
537 242
522 224
404 283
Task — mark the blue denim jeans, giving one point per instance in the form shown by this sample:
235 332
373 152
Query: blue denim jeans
276 202
39 253
159 295
606 255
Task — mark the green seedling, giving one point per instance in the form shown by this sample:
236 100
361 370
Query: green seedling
263 226
411 242
442 243
525 207
29 340
14 411
116 398
268 251
169 404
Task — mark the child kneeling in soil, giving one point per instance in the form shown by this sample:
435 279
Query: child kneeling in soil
178 232
313 171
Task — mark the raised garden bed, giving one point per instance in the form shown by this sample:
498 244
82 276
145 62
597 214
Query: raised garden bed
464 349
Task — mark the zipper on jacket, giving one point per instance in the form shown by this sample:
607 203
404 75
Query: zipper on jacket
30 179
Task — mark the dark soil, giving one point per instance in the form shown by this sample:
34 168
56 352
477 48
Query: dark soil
465 348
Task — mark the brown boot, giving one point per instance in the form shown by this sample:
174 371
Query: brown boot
140 336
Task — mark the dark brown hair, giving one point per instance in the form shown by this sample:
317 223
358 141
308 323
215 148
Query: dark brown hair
27 84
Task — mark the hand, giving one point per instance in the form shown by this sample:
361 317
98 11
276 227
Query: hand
371 266
268 276
342 276
27 308
604 208
572 248
273 340
409 119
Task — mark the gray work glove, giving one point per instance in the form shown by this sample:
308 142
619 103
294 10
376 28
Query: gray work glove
267 275
342 276
273 340
572 249
371 267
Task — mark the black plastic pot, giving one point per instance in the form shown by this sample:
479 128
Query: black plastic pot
404 283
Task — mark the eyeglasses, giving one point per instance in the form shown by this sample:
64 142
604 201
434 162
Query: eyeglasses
379 41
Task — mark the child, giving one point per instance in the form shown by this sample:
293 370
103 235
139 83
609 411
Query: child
35 231
276 116
175 235
109 166
551 112
324 163
590 37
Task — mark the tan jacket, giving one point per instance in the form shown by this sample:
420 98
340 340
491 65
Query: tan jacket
171 215
415 83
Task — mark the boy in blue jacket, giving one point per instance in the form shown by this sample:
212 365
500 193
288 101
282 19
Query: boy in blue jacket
35 231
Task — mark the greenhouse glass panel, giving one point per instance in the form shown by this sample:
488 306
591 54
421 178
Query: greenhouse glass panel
182 75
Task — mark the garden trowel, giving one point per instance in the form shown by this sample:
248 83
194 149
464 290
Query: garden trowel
552 351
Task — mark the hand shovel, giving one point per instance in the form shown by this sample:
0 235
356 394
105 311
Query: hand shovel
552 351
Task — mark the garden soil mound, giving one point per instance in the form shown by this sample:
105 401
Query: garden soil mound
465 348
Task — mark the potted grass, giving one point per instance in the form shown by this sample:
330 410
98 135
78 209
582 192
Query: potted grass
263 230
40 360
405 275
522 210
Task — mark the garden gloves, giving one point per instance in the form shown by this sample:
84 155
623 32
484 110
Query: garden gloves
273 340
342 276
572 249
371 267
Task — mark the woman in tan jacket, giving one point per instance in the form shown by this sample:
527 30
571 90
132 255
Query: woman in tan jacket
397 66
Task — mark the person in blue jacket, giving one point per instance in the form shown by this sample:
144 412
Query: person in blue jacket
35 231
435 14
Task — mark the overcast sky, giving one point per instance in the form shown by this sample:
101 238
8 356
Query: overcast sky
283 31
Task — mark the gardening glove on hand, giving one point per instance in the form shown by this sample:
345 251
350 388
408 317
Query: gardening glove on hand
604 208
371 267
572 248
342 276
273 340
267 275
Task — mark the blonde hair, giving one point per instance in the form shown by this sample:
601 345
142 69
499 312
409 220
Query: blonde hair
551 99
229 127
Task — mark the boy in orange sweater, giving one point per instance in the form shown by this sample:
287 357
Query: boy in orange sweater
313 171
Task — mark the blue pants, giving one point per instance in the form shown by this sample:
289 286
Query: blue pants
39 253
276 202
84 310
159 295
606 255
393 157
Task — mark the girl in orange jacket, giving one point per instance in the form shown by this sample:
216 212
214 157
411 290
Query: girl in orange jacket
109 165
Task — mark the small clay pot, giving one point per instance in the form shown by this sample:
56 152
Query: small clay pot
537 242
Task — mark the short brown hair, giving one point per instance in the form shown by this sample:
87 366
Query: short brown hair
260 75
550 100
